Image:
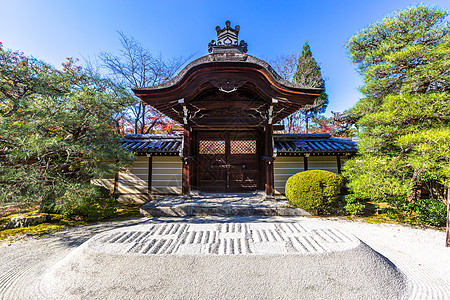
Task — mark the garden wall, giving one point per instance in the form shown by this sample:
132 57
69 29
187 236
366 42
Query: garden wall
165 178
286 166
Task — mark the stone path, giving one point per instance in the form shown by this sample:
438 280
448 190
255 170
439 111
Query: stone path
216 204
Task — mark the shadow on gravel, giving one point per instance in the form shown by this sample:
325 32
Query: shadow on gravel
92 271
74 237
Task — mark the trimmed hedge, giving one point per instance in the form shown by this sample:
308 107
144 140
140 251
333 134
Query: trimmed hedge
313 190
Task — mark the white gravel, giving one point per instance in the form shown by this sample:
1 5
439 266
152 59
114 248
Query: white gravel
418 253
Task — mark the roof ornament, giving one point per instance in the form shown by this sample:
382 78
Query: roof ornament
227 40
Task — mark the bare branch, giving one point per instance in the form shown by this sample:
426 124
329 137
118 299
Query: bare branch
137 67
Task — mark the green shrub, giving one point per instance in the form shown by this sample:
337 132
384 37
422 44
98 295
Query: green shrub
314 190
431 212
92 202
353 204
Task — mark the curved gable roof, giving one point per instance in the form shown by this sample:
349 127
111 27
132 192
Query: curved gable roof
259 75
245 59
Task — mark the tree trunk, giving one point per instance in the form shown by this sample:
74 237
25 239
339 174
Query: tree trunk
306 122
447 236
136 120
116 183
143 118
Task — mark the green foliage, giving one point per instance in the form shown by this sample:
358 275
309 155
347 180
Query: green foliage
404 138
309 74
431 212
313 190
88 201
308 71
60 222
353 204
57 129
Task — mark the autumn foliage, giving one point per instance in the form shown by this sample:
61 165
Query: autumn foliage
58 130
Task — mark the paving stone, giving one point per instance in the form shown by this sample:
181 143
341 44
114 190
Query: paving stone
182 210
265 211
209 210
240 211
220 205
291 211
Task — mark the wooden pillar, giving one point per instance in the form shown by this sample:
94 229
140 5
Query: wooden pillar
186 185
339 164
269 184
305 162
149 179
447 233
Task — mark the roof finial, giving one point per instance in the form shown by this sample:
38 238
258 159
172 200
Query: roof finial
227 40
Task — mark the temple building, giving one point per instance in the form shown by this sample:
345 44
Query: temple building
228 104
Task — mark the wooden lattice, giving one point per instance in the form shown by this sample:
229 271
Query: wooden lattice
243 147
211 147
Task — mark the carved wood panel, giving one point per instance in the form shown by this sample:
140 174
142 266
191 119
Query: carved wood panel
236 170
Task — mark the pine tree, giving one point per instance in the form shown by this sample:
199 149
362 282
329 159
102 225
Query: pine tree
309 74
404 139
57 132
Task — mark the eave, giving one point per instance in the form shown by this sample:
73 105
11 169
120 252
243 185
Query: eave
199 75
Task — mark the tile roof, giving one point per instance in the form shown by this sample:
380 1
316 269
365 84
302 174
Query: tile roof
284 144
169 144
314 144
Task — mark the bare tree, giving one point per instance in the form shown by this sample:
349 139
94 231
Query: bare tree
286 67
302 69
137 67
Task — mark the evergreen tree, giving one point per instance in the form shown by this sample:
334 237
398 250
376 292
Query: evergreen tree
57 132
404 139
309 74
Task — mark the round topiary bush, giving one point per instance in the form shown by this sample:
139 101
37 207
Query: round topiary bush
314 190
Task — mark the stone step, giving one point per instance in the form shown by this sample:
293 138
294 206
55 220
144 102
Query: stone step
153 209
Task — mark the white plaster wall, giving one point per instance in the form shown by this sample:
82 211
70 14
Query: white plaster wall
167 174
327 163
283 168
286 166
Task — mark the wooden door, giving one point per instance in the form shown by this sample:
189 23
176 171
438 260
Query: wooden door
211 158
242 157
228 161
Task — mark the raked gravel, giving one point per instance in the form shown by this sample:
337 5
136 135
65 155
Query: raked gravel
27 267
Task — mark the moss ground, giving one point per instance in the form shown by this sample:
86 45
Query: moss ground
375 213
382 213
58 222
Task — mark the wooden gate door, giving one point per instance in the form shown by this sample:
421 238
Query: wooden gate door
228 161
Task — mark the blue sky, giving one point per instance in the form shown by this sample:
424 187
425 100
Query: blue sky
54 30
